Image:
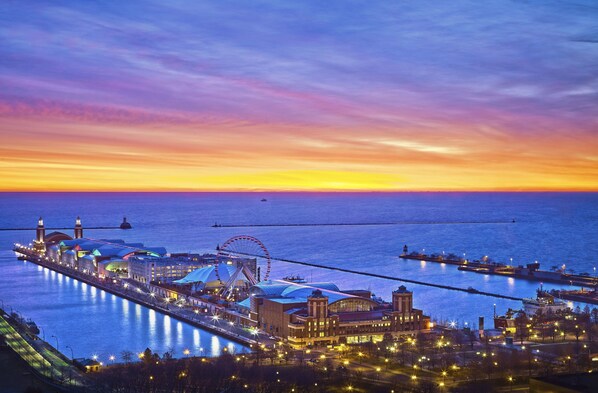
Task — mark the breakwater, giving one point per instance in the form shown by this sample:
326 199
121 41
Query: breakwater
217 225
135 295
376 275
530 272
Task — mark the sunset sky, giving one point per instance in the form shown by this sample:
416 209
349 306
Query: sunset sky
298 95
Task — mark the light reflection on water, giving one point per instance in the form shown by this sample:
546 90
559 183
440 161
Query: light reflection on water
215 346
92 321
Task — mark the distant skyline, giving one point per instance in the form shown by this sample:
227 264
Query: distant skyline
289 96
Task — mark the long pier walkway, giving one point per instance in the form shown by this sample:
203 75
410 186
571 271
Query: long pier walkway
385 277
235 334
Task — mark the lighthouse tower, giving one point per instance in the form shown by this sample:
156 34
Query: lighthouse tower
39 244
78 228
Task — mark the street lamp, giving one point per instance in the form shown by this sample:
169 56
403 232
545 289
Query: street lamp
72 355
56 342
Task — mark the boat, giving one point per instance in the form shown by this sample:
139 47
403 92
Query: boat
295 279
543 303
264 200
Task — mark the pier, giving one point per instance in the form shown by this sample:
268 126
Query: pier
122 290
530 272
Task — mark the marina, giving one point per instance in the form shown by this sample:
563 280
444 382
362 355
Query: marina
530 271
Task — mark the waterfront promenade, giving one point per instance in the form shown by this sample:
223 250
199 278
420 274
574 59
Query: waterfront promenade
139 295
44 361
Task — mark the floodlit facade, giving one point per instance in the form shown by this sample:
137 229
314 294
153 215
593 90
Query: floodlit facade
320 314
147 269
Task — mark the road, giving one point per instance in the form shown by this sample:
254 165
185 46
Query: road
40 357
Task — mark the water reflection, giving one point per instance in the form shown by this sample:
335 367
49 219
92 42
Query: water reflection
137 313
215 347
167 331
196 340
60 306
152 322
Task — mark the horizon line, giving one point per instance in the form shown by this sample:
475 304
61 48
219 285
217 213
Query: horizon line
305 191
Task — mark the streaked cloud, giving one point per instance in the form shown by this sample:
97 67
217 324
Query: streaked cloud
310 95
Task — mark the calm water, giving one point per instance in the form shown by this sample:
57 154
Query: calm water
551 228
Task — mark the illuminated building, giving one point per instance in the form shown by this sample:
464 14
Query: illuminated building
146 269
320 314
78 228
39 244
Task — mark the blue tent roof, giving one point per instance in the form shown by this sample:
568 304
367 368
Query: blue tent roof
209 274
289 292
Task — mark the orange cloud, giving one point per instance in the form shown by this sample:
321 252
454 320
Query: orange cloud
66 154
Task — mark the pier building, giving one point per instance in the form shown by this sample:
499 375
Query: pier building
207 277
85 254
147 268
111 258
314 314
39 244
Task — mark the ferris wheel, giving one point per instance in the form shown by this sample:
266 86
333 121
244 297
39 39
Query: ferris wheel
242 246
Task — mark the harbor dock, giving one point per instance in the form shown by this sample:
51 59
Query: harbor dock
530 271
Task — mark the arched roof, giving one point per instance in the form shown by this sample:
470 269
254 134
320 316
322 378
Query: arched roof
55 237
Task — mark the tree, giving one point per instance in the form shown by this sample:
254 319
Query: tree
127 356
521 325
148 356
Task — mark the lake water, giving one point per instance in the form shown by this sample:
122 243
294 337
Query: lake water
552 228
